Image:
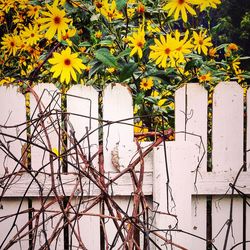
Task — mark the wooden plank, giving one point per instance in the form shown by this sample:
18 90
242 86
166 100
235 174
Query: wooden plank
45 112
13 113
209 184
86 226
227 132
181 159
82 108
227 155
191 117
48 221
10 208
220 217
218 183
117 105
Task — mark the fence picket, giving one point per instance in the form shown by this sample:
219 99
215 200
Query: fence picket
117 105
178 200
227 155
45 111
191 117
13 113
48 101
82 107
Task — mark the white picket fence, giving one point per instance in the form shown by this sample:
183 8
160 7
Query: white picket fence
181 185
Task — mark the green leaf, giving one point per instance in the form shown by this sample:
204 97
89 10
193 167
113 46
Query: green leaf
84 44
96 66
222 46
125 52
106 42
103 55
120 4
127 71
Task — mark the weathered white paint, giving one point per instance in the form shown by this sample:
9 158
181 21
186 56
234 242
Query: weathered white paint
117 105
49 101
227 134
181 181
87 226
191 117
82 108
13 113
183 158
220 216
52 217
191 102
10 207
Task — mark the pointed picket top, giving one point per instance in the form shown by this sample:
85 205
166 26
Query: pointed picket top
13 113
117 106
191 117
82 110
227 130
44 100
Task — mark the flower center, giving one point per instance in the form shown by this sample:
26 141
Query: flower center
67 62
167 51
181 1
32 34
201 41
57 20
98 5
12 44
140 44
35 9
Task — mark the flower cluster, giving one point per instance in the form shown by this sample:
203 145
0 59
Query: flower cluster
152 46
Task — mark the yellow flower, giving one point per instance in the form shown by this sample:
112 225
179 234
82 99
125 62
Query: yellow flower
98 34
100 4
111 70
54 22
146 83
110 12
139 128
179 6
236 65
152 27
65 65
202 42
33 11
205 77
163 50
7 80
212 52
232 46
23 4
207 3
137 42
69 33
161 102
31 35
11 43
6 5
184 46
